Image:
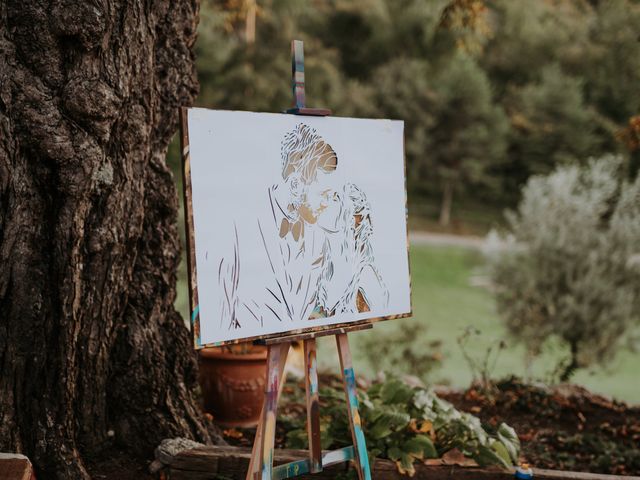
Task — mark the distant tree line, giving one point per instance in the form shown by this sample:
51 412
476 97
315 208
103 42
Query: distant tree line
491 91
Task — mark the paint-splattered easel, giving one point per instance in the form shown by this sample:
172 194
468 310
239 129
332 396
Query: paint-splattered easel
261 465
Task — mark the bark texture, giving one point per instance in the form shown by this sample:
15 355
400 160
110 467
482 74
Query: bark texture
89 339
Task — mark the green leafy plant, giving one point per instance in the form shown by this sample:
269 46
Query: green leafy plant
407 424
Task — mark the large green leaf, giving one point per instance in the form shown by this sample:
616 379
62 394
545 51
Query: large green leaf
420 447
507 435
488 456
405 465
394 453
394 391
387 420
502 451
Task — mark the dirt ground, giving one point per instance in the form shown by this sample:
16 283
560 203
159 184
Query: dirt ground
116 464
563 428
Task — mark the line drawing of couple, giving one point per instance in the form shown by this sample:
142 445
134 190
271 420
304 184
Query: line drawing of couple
317 244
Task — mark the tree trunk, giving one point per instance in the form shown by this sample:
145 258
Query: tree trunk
250 22
89 339
447 200
574 364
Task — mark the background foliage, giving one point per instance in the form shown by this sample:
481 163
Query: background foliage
491 91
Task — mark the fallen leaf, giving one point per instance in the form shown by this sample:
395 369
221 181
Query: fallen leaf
456 457
232 433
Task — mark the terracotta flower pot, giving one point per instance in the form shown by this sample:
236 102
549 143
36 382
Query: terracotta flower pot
233 385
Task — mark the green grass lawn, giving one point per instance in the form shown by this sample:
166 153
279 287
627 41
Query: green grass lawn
445 303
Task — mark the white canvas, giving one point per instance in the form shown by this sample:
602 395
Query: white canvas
299 222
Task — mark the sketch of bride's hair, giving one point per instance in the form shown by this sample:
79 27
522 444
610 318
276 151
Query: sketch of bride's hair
358 223
357 218
305 152
356 249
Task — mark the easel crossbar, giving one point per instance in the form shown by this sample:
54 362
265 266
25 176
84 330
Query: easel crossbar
301 467
310 335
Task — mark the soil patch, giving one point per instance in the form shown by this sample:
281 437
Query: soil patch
561 428
116 464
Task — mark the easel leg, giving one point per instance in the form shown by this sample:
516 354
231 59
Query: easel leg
349 380
313 405
261 465
255 451
254 464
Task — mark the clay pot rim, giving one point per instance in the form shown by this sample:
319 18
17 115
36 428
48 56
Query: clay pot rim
218 354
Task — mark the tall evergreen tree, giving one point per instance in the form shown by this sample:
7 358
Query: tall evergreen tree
551 124
455 133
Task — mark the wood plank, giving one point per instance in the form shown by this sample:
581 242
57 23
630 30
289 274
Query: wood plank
313 405
232 462
313 112
349 382
209 462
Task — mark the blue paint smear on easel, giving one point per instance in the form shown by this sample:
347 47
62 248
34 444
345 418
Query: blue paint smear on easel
350 379
194 314
194 317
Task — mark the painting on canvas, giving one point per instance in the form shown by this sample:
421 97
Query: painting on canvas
295 223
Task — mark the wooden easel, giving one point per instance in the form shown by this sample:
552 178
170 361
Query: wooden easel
261 464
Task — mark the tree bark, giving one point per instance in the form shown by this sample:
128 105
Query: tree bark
89 339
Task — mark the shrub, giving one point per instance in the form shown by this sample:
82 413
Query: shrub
569 264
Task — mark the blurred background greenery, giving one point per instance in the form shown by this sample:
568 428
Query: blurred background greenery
491 92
